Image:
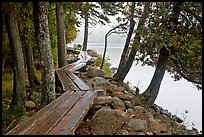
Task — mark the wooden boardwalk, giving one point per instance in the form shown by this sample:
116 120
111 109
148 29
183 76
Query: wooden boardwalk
63 115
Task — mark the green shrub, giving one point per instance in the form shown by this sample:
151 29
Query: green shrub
77 46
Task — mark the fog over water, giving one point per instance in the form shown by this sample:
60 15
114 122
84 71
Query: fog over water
175 96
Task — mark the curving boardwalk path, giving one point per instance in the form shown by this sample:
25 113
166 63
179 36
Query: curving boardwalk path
63 115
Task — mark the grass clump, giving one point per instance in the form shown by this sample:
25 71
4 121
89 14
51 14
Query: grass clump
98 61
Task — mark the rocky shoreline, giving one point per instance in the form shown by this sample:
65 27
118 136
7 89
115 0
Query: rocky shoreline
119 110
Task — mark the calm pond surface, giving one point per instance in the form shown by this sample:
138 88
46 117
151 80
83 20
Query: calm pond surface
175 96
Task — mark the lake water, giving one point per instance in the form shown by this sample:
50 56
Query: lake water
175 96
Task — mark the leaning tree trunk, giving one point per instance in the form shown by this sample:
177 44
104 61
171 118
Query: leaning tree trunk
19 94
44 44
124 55
124 69
30 65
60 36
85 31
152 91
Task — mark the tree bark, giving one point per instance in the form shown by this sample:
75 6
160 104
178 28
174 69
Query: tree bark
19 94
4 56
30 65
44 44
60 36
124 55
152 91
125 67
85 30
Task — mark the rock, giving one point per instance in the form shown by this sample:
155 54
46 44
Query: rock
30 105
99 83
59 90
36 97
124 132
101 92
139 109
150 115
149 133
118 94
118 104
121 89
125 92
157 127
136 101
112 88
128 104
130 111
128 97
179 120
95 72
137 124
101 100
94 108
165 112
152 111
108 121
140 133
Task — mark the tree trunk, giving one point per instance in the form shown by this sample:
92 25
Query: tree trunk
30 65
125 66
19 94
124 55
125 69
152 91
85 31
4 56
60 36
44 44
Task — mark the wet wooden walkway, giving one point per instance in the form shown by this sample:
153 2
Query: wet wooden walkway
63 115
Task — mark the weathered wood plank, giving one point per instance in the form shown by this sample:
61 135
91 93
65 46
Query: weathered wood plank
45 125
84 57
79 82
28 124
67 83
71 120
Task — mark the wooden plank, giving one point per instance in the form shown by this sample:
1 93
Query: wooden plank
84 57
79 82
45 125
78 66
67 83
28 124
72 119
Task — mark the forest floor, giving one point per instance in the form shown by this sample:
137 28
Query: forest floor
121 119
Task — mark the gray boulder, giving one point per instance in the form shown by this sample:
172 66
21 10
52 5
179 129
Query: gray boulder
118 104
95 72
139 109
108 121
128 104
99 83
102 100
137 124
